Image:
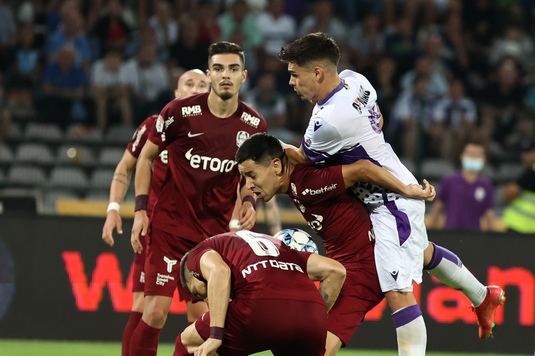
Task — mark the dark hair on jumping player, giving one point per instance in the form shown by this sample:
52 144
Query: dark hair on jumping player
261 148
184 273
224 47
313 47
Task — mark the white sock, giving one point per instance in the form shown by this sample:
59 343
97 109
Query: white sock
410 330
448 268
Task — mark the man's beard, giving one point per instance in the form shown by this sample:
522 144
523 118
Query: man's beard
225 95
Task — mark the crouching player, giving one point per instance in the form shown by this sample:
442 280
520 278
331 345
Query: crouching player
261 297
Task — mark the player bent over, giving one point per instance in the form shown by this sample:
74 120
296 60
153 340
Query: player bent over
334 214
261 297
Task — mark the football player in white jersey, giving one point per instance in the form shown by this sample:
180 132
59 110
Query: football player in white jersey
346 125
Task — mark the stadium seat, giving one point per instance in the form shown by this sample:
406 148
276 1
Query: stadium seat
68 177
509 172
76 154
101 178
14 131
110 156
119 134
34 153
48 203
83 133
6 154
26 175
435 169
43 132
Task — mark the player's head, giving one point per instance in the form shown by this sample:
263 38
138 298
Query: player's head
191 284
310 60
226 69
262 161
473 157
192 82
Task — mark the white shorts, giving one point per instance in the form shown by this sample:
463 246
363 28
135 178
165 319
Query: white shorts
400 241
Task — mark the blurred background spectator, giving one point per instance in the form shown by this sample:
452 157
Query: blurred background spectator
446 72
519 215
466 196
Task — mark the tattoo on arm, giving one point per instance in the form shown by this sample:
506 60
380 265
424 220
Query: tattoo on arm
324 295
124 179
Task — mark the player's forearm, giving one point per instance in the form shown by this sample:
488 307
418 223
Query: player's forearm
218 290
120 182
366 171
296 155
330 288
273 219
143 176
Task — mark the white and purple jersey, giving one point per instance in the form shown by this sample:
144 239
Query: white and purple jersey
344 128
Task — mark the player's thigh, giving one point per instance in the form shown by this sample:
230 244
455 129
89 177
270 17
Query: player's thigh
162 265
401 239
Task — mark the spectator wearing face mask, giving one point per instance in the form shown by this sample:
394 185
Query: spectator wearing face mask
466 196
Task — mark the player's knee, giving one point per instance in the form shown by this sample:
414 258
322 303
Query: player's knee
155 316
398 300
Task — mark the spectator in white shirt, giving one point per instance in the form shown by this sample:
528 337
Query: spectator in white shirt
277 28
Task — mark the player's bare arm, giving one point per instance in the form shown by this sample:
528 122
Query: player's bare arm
366 171
330 273
247 211
142 182
118 188
272 216
296 155
218 276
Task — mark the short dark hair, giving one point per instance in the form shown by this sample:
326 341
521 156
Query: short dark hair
313 47
261 148
225 47
184 272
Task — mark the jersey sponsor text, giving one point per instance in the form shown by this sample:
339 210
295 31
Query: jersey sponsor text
206 163
286 266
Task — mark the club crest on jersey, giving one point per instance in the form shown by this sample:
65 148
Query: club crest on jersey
160 123
194 110
241 137
250 119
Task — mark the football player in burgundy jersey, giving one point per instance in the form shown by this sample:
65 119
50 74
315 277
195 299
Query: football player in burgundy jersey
275 305
190 83
202 134
338 217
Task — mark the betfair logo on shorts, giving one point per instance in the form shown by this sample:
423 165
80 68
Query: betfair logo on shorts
161 279
250 119
206 163
286 266
322 190
194 110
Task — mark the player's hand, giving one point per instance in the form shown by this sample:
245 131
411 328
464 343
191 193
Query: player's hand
113 221
247 216
139 229
416 191
208 348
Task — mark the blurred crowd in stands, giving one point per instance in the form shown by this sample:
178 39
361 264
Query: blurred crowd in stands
447 72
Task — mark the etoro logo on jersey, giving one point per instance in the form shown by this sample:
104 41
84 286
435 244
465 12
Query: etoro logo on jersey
322 190
206 163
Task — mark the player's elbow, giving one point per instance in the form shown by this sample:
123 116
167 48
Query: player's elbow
337 272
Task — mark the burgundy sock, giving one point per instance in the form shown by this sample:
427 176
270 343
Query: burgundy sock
180 349
129 330
144 341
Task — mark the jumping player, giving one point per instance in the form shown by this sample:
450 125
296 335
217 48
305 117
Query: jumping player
201 133
340 219
267 282
191 82
345 127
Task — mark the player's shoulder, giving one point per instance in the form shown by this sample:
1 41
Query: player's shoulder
193 102
248 109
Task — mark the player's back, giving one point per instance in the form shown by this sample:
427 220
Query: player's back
262 267
345 128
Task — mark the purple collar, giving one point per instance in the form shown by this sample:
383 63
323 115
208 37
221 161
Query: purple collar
336 90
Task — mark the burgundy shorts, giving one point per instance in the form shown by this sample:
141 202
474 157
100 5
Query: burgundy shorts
361 293
162 265
138 274
286 327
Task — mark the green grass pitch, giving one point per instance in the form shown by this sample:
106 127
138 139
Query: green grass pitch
60 348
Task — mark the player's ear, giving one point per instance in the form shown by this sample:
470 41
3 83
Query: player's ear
277 166
244 75
319 73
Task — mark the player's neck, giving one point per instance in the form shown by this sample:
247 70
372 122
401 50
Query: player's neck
285 178
222 108
328 86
